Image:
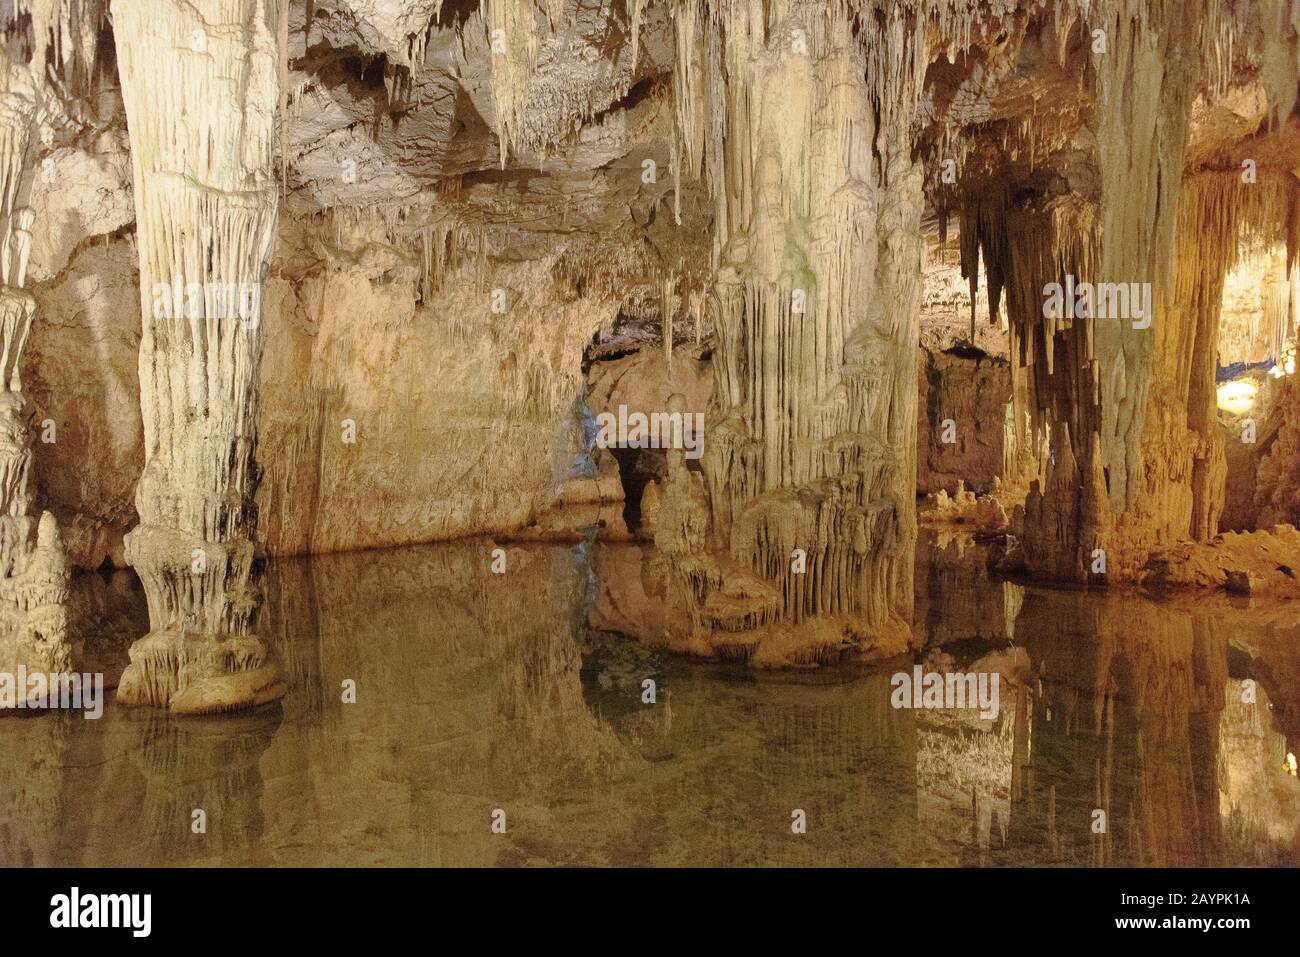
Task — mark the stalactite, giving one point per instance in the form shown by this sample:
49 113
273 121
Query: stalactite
548 77
638 11
668 306
688 85
513 42
20 102
17 309
65 32
417 43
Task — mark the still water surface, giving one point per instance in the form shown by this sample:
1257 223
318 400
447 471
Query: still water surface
477 692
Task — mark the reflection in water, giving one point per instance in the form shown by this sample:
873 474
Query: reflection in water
477 691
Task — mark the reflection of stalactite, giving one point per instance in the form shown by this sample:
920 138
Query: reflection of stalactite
963 762
478 691
1257 793
807 749
836 751
955 598
468 698
291 620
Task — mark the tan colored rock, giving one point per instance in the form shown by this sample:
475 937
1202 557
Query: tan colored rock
964 396
1260 563
84 384
460 420
77 195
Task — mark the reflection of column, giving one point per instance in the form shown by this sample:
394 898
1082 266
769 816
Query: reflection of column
746 755
200 82
1021 769
1257 794
191 764
468 698
291 618
955 599
1130 692
32 807
839 752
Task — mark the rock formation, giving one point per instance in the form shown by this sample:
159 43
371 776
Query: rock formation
34 573
816 255
392 259
1135 198
201 84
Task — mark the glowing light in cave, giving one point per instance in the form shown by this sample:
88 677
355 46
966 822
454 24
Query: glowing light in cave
1237 396
1290 764
1286 368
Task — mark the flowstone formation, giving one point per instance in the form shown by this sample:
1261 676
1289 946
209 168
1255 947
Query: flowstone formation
201 84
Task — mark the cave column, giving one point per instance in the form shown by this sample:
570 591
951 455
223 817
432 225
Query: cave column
34 573
810 459
1128 467
201 82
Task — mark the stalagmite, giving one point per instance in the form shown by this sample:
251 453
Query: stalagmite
201 84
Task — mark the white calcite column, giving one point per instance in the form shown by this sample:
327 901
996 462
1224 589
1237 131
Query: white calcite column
810 457
201 82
